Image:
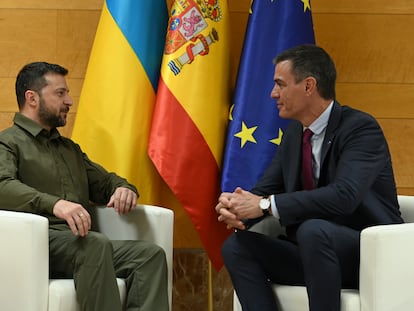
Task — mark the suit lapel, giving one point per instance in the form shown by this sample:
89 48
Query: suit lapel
294 181
333 123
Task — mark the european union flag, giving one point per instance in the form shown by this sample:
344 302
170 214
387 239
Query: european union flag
255 129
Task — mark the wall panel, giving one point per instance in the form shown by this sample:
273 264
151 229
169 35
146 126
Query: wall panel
398 134
25 36
76 29
368 47
365 7
382 100
52 4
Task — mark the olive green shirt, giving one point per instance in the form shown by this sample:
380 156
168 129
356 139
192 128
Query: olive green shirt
38 168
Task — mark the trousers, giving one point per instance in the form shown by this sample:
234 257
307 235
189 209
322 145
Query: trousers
324 257
94 262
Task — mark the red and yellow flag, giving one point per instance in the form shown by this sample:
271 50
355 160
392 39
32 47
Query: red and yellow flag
190 116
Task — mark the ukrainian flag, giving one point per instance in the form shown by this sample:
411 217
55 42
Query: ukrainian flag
118 95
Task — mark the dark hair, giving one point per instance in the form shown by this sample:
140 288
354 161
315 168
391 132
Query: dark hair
32 77
312 61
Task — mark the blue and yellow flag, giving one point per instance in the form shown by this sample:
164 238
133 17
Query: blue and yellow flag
118 96
255 129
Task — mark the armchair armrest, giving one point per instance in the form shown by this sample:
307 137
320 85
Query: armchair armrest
146 222
386 269
24 261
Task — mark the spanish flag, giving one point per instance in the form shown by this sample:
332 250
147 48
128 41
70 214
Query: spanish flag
118 95
190 116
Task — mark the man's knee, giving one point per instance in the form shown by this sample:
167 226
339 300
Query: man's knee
144 250
94 237
158 252
313 231
236 246
97 244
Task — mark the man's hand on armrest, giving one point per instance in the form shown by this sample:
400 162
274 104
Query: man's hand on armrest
123 200
75 215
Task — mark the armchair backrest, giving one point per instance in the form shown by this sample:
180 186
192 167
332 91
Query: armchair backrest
406 207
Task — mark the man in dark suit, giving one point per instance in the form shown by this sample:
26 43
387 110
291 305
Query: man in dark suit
351 187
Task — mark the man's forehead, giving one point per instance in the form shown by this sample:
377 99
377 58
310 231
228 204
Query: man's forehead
284 65
56 80
283 69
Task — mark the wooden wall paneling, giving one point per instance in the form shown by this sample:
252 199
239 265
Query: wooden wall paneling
6 119
52 4
368 48
76 32
363 7
237 29
8 96
382 100
399 136
242 6
25 36
67 129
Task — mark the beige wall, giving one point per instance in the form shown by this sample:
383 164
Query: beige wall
369 40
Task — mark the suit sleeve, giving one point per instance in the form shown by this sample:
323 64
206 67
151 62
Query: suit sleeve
357 158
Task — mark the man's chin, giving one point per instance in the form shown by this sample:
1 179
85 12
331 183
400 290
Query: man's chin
283 114
61 122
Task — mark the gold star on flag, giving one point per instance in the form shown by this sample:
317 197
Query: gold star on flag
306 5
278 139
246 134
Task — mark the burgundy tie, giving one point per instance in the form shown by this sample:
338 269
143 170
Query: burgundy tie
307 172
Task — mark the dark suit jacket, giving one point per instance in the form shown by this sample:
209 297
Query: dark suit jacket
356 185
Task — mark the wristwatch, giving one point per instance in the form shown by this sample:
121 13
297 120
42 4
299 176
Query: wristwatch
264 205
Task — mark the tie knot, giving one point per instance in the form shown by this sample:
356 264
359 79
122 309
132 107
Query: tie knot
307 134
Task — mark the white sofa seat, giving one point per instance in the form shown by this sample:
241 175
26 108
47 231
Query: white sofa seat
24 262
386 271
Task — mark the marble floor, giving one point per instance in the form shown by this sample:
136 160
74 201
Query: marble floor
191 283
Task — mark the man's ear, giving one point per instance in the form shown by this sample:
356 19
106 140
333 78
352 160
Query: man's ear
310 84
31 97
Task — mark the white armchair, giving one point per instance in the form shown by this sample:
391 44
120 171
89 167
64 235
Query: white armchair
386 271
24 260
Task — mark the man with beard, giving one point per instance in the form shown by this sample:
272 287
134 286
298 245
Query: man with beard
43 173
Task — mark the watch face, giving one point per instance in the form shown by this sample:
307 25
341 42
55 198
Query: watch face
264 203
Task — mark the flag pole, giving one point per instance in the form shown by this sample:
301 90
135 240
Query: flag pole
210 287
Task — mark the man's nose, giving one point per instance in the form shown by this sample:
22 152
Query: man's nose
68 101
275 92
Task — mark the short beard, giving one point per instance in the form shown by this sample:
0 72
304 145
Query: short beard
48 118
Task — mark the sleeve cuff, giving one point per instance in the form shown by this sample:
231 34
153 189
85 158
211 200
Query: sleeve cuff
47 202
275 212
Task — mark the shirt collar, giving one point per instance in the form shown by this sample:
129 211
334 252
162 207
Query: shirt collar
34 128
319 125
